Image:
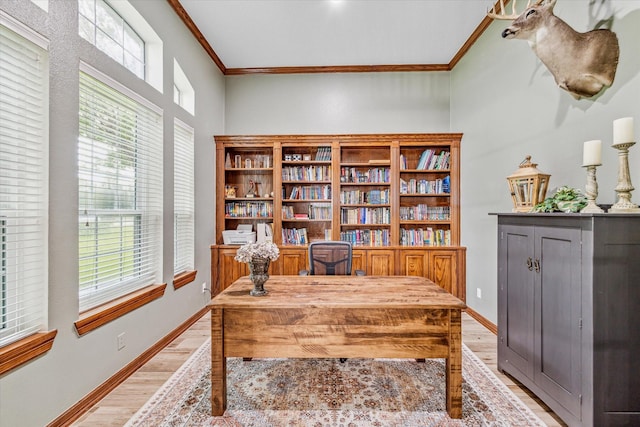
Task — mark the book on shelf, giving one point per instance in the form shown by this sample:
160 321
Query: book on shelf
323 154
425 237
294 236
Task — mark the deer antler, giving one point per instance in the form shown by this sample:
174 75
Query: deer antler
503 15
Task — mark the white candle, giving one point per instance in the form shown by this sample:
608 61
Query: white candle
623 130
592 154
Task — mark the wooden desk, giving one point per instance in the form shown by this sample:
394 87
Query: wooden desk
337 316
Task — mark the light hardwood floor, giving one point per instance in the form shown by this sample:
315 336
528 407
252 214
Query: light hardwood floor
123 402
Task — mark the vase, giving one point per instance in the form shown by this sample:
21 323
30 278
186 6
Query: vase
258 274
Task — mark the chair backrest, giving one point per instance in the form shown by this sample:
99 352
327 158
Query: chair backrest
330 258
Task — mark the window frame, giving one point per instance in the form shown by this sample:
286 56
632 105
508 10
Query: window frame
137 276
153 58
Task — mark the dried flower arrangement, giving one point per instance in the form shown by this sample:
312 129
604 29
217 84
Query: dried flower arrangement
249 251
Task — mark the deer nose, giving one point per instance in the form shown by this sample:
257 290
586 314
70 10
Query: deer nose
507 32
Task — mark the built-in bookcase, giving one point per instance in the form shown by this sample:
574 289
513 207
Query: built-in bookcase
395 197
370 190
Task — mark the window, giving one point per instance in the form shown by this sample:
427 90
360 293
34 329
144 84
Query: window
24 98
120 190
116 28
183 93
183 191
102 26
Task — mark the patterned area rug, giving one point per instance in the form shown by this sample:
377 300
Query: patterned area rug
327 393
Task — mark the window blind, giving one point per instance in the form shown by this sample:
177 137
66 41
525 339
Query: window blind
119 190
183 196
23 183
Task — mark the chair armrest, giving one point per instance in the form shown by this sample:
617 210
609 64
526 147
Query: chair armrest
360 273
303 273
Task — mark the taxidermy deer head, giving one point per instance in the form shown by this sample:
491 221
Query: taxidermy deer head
581 63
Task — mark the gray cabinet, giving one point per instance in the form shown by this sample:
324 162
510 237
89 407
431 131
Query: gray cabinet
569 313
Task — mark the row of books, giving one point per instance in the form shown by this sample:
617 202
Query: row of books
323 154
423 186
366 237
424 212
247 209
314 211
294 236
306 173
311 192
365 215
425 237
351 174
430 159
373 197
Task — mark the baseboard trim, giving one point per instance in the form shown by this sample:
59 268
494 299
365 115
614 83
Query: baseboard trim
77 410
482 320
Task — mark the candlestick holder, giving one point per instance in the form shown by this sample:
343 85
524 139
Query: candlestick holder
591 190
624 187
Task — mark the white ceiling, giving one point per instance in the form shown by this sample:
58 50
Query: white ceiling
308 33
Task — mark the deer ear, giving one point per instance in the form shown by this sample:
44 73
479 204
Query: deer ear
549 4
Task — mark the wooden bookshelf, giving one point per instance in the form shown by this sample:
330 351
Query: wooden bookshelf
395 197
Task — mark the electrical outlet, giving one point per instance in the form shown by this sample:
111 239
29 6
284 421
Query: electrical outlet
121 342
479 293
204 287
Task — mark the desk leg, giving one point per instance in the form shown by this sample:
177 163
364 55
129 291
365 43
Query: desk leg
454 365
218 365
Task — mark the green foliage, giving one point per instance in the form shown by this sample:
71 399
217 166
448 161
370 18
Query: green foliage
566 199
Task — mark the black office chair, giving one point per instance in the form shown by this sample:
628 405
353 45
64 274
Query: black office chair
330 258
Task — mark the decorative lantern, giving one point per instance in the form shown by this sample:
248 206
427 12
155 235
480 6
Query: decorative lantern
528 186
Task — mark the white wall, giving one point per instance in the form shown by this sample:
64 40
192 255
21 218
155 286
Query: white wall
508 106
39 391
337 103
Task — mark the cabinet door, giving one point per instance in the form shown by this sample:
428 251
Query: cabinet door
414 263
229 269
291 261
516 281
380 262
558 307
443 269
358 260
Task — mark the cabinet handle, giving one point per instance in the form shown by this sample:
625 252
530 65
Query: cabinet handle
530 264
536 265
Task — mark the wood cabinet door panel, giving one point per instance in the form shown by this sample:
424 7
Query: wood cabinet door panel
229 268
414 263
380 262
291 261
358 260
443 269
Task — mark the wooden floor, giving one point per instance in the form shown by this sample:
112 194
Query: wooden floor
126 399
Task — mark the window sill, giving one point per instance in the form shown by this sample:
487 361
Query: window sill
96 317
20 352
184 278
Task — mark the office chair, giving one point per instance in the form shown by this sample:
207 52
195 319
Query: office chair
330 258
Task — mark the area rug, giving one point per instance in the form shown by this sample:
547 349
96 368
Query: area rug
328 393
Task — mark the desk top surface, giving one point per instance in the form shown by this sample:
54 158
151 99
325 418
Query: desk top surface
339 292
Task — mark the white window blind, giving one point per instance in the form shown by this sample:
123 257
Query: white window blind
183 196
120 191
24 132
